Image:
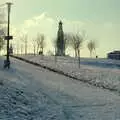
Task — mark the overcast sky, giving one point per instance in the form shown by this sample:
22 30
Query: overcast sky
99 18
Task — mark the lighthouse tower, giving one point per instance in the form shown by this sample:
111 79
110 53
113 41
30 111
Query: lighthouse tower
60 41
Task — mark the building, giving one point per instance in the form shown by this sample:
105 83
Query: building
60 41
114 55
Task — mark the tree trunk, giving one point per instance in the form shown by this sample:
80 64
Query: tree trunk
34 50
21 49
25 47
95 52
91 54
37 49
55 55
79 58
42 50
75 53
17 49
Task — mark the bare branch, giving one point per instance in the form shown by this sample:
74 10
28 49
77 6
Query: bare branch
66 40
40 42
76 41
24 38
91 46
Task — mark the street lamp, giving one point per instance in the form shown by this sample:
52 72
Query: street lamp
8 37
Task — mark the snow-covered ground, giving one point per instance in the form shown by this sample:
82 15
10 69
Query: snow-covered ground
99 62
32 93
99 76
102 62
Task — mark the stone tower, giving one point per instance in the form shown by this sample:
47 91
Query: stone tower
60 41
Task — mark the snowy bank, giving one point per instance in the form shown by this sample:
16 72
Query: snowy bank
105 78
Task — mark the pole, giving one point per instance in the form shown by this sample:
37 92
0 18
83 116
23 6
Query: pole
8 34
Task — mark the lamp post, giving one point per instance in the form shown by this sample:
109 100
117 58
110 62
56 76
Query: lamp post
8 37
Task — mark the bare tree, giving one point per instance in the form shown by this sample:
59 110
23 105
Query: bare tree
26 43
2 15
55 48
38 39
34 45
66 40
1 43
76 41
40 43
55 45
24 38
2 28
21 49
17 48
91 46
50 53
2 34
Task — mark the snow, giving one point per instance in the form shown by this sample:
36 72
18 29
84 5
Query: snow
21 99
104 63
34 93
99 76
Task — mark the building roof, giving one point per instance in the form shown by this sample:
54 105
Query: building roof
114 52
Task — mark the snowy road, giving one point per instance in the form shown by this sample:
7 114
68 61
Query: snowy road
32 93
